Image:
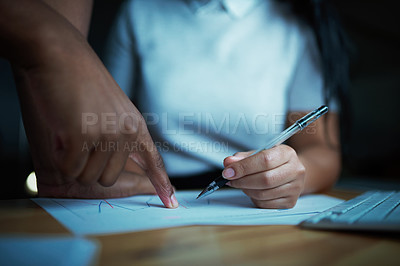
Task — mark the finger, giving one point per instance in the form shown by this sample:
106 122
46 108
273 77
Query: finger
94 167
143 185
128 184
286 190
262 161
114 168
267 179
236 157
132 166
280 203
134 184
153 165
71 156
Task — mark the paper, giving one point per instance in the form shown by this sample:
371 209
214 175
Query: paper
47 251
224 207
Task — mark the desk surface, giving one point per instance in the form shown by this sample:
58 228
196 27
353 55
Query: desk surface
218 245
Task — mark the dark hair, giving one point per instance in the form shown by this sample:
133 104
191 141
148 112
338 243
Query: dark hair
334 48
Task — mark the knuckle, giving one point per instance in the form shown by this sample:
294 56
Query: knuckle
267 179
301 170
130 122
266 157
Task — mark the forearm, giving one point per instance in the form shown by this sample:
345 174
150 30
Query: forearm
322 164
41 44
77 12
30 31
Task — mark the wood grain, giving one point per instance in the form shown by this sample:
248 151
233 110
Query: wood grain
218 245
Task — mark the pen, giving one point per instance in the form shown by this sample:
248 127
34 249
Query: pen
290 131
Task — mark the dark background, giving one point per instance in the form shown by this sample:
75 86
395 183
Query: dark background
372 149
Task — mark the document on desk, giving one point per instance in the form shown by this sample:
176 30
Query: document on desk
146 212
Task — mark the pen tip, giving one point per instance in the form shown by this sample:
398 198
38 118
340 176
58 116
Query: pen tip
201 194
208 190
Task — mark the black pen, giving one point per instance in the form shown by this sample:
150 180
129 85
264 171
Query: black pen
290 131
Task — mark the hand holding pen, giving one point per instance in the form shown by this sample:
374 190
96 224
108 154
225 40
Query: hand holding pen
273 176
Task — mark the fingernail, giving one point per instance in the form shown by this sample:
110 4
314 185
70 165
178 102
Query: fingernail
228 184
228 173
174 201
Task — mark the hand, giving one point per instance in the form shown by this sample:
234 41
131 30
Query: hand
81 126
273 178
132 181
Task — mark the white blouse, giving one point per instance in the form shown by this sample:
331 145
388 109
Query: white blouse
213 77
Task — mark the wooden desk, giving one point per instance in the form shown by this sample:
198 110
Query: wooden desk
218 245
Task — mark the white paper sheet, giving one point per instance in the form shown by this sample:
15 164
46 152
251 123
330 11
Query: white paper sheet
224 207
44 251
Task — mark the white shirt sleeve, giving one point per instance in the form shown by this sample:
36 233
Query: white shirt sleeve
120 57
